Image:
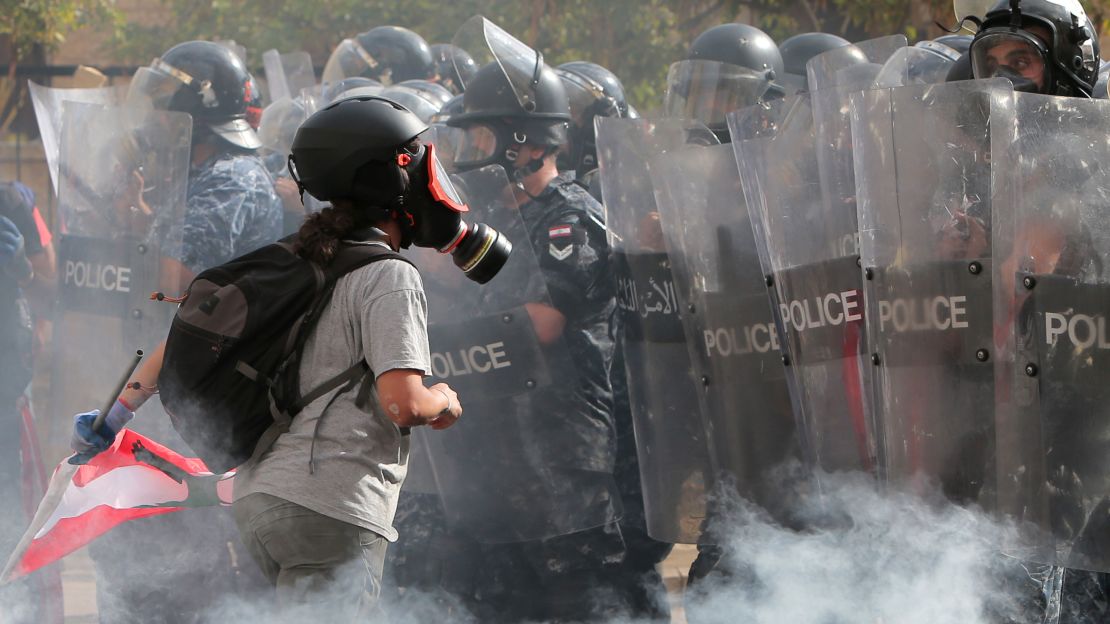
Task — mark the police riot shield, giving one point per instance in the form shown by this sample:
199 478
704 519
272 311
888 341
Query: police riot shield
47 102
122 184
732 337
287 74
1052 285
808 256
923 173
519 465
661 392
916 65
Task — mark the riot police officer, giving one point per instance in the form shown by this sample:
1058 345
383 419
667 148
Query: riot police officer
728 67
560 567
592 91
387 54
796 52
231 209
1042 46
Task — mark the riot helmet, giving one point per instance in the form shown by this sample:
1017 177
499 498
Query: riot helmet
421 103
961 69
453 66
438 93
205 80
738 44
513 100
796 52
728 67
592 91
333 91
388 54
1042 46
367 150
454 106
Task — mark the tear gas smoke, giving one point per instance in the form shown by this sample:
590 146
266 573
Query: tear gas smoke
863 557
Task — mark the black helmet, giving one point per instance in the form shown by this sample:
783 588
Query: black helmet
741 45
500 124
332 91
453 66
797 50
1064 56
961 70
206 80
592 91
959 43
388 54
454 106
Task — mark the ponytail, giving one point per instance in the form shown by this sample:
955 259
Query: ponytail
320 235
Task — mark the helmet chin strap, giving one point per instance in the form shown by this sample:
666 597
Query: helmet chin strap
519 174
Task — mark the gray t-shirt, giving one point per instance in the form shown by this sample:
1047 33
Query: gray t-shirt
360 458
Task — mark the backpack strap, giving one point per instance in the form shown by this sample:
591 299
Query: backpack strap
283 409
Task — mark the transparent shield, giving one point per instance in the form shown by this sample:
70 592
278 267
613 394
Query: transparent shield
518 466
287 74
923 173
280 121
809 257
349 59
914 65
123 175
47 102
1051 284
670 433
731 333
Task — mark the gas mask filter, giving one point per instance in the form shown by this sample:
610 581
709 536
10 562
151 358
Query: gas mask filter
433 208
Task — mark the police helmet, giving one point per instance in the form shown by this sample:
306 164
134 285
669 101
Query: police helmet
205 80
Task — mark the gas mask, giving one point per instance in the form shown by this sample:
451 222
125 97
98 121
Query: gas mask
431 215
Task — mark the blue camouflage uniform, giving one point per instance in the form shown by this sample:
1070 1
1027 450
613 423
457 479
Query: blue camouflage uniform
183 560
231 209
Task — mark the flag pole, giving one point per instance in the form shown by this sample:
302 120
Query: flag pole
63 475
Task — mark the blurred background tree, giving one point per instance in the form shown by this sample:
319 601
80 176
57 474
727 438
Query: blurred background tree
637 39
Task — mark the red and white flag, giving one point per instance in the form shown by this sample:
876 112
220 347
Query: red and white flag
135 478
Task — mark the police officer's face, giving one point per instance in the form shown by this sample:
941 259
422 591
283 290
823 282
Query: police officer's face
1019 56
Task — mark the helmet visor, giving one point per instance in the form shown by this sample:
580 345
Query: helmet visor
707 91
349 60
520 64
1013 54
152 89
476 146
584 95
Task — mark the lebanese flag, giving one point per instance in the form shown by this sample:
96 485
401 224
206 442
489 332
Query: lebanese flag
135 478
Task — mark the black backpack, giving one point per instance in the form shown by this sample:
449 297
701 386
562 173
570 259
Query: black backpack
231 365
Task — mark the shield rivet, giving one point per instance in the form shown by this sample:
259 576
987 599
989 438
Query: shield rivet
530 384
785 360
975 268
875 359
1029 282
507 318
982 355
1031 370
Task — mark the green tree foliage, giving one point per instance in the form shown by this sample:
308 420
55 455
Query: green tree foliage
637 39
27 24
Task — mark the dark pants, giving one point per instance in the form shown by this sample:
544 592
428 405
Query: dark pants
321 567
